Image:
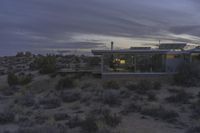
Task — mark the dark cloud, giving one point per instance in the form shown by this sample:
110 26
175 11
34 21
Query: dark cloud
187 29
28 24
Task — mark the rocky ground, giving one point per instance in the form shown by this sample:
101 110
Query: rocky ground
84 104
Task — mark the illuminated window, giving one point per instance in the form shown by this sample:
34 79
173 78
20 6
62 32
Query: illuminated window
122 62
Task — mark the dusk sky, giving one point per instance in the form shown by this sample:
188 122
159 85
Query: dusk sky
42 25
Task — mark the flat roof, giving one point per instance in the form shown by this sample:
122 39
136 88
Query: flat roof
144 51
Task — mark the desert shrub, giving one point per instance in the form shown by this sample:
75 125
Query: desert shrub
198 95
6 117
193 130
25 121
86 85
42 129
65 83
61 116
196 109
89 125
40 118
50 103
125 94
111 97
74 121
111 119
131 86
45 64
70 96
188 75
143 87
157 85
12 79
161 113
111 85
8 91
26 100
25 79
151 96
131 108
180 97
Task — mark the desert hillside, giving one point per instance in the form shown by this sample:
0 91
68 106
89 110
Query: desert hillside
41 101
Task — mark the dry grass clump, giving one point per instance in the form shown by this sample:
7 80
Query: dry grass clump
180 96
161 113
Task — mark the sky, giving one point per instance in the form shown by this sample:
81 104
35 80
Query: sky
57 25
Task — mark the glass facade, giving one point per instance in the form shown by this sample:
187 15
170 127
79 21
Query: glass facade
136 63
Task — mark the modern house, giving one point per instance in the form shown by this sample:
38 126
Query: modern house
164 60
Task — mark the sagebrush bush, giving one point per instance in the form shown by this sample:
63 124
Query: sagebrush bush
111 119
111 85
6 117
161 113
61 116
131 108
89 125
26 100
193 130
181 96
50 103
74 121
70 96
151 96
65 83
111 97
196 109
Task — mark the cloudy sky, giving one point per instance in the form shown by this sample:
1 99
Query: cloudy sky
39 25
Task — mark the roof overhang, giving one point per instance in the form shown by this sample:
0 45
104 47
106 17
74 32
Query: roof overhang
152 51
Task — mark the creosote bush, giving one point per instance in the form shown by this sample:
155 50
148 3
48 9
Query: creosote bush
45 64
22 79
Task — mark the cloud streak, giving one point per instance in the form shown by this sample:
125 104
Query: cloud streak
28 24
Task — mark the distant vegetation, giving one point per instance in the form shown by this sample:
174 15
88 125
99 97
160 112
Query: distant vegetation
45 64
